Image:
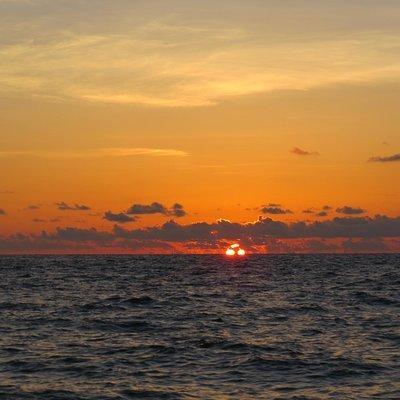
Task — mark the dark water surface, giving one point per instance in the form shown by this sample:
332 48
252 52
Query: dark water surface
200 327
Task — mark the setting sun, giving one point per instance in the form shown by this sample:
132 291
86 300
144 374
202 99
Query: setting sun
234 250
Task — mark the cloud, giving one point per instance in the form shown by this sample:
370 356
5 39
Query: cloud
301 152
34 207
137 151
121 218
350 210
177 63
372 245
77 207
38 220
319 246
6 192
177 210
266 227
2 212
96 153
79 235
355 234
153 208
274 209
322 213
393 158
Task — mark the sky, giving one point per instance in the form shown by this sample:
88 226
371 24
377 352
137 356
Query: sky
181 126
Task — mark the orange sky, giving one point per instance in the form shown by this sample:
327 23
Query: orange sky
197 105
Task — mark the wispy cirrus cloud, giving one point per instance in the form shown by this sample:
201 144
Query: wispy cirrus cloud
170 63
97 153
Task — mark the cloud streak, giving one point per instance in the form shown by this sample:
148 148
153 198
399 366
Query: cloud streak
301 152
121 218
76 207
97 153
173 64
348 210
386 159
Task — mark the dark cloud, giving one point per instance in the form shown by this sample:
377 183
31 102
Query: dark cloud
121 218
393 158
322 213
301 152
319 246
2 212
33 207
6 192
350 210
361 234
77 207
274 209
372 245
177 210
153 208
81 207
38 220
306 246
346 227
79 235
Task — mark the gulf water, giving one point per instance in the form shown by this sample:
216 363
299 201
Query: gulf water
200 327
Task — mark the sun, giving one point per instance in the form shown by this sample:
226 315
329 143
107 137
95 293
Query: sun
235 250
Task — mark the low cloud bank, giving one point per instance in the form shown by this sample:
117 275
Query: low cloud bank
342 234
62 206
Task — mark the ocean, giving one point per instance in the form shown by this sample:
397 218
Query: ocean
200 327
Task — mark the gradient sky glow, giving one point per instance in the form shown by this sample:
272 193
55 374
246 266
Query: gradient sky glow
232 110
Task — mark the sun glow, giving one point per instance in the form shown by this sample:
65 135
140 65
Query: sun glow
235 250
230 252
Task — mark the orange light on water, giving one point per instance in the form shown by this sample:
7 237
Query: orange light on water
241 252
